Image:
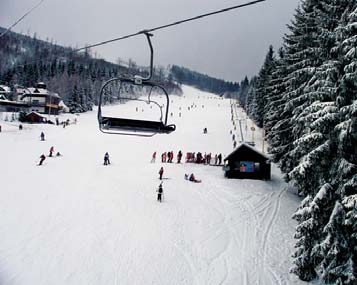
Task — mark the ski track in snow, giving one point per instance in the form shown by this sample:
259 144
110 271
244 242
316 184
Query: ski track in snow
75 221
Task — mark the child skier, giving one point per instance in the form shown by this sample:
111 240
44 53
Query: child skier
160 193
106 159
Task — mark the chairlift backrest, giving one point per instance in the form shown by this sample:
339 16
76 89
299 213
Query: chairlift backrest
126 126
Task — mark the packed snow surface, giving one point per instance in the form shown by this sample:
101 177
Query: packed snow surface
75 221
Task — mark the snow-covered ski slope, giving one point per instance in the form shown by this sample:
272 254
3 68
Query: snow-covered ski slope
75 221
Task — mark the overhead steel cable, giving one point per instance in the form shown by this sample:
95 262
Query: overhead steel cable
171 24
19 20
157 28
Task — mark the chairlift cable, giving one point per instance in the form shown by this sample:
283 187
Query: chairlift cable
19 20
171 24
143 31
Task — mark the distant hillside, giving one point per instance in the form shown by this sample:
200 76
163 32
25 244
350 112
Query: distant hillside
78 77
204 82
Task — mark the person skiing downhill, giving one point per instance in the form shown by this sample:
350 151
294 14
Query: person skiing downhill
160 193
42 158
161 172
106 159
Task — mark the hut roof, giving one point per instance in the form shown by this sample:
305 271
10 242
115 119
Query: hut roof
244 145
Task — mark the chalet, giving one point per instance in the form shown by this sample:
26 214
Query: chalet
245 162
34 117
40 99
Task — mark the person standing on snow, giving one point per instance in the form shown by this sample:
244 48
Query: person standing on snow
42 136
52 149
42 158
160 193
179 156
153 157
219 159
161 172
106 159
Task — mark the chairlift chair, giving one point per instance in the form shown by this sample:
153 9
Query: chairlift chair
134 127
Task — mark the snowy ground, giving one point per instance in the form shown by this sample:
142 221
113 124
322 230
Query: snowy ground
75 221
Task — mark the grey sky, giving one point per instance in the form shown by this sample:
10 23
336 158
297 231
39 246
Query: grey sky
227 46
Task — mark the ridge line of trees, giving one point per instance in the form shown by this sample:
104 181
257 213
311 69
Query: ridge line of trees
305 97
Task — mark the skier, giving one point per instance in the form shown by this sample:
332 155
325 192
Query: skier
160 193
42 136
234 144
52 149
153 157
179 156
20 127
106 159
42 158
161 172
219 159
192 178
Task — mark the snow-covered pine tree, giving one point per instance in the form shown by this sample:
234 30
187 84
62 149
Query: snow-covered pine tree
243 91
312 216
74 102
335 250
250 102
261 96
299 53
333 254
306 235
349 276
276 122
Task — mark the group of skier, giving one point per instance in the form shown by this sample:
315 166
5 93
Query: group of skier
167 157
203 158
43 157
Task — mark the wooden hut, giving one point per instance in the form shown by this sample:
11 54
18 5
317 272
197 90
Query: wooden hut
245 162
35 117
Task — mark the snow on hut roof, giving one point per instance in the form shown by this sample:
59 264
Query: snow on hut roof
248 146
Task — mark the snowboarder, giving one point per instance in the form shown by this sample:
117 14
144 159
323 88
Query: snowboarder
106 159
52 149
161 172
153 157
42 158
42 136
160 193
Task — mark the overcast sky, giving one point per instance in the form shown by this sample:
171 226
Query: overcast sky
227 46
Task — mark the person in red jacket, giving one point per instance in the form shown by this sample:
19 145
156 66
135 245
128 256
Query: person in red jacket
42 158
